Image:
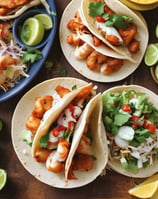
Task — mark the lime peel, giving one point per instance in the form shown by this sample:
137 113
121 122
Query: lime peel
151 55
35 32
156 31
3 178
46 20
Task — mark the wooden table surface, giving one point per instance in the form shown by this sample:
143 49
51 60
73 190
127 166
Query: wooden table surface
21 184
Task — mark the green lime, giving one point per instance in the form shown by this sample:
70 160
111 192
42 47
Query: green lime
45 20
151 55
32 31
156 71
156 31
3 178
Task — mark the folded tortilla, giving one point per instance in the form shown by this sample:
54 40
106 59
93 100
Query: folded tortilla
120 9
92 112
115 164
80 66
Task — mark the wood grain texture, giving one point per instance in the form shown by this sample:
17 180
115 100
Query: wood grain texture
20 184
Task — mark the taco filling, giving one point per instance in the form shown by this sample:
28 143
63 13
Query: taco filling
116 29
131 123
54 145
87 48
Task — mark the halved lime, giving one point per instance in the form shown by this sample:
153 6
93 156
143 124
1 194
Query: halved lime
45 20
32 31
156 31
151 55
3 178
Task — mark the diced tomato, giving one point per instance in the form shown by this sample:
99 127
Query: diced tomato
70 125
126 108
56 130
62 91
100 19
108 10
136 121
152 128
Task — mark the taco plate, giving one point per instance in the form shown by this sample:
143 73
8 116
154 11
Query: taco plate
126 69
131 123
26 149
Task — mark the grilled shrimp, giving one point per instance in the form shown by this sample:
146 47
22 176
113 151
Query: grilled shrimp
42 104
95 59
32 124
74 39
128 33
112 65
83 51
6 60
42 154
74 25
84 146
134 46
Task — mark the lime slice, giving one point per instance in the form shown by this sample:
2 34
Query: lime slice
151 55
32 31
45 20
156 31
3 178
156 71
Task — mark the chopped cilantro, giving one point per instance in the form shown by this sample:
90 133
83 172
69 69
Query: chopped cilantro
49 64
74 87
44 141
96 9
63 70
31 55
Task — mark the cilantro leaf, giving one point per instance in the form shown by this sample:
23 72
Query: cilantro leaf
118 21
121 118
63 70
44 141
31 55
96 8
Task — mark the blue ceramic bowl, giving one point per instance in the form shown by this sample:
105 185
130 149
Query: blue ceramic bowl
35 67
20 20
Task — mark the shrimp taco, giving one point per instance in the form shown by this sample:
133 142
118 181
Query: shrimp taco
56 123
130 116
117 26
87 53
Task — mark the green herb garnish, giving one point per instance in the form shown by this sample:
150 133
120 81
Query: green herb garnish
31 55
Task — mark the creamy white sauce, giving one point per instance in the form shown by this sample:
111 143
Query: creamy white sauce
109 30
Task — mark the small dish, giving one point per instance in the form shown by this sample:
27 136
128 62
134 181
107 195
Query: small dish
35 67
20 20
152 70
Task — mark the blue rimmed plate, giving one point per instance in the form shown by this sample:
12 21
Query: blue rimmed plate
35 67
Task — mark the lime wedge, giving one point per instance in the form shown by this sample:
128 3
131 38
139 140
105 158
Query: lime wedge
151 55
156 31
32 31
3 178
45 20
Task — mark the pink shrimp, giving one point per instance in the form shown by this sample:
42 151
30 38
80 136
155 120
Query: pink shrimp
83 51
95 59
